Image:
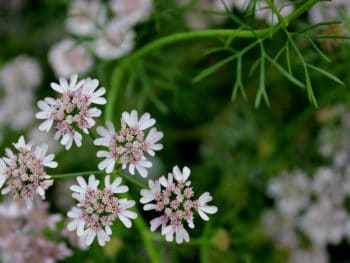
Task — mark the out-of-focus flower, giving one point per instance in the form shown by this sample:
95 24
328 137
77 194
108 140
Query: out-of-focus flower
98 209
23 229
85 17
175 204
67 58
132 11
323 223
128 146
20 74
71 112
116 41
327 184
23 172
197 18
329 11
291 191
311 255
18 79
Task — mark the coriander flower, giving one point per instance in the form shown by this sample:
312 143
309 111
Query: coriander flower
85 17
23 172
132 11
71 112
129 144
98 209
116 41
172 197
68 57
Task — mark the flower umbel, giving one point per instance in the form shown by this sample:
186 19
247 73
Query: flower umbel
98 209
71 112
175 203
24 172
128 146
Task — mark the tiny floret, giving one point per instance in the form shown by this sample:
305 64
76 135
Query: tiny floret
129 145
172 197
98 209
71 112
23 171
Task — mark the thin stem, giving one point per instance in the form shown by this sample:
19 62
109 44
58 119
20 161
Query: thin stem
214 33
302 9
274 9
144 232
67 175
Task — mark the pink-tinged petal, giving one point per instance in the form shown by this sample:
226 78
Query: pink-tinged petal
102 237
126 221
89 236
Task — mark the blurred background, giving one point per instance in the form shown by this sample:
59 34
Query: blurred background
277 169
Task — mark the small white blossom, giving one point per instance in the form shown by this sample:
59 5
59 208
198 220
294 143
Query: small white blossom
172 197
23 172
85 17
67 58
20 74
71 112
327 184
128 146
98 209
324 223
132 11
291 191
116 41
329 11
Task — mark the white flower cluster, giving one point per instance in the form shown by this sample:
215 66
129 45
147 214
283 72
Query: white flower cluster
329 11
24 230
105 30
23 171
334 139
128 146
315 207
175 204
18 80
71 112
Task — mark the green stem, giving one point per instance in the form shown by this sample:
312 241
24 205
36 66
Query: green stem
144 232
117 75
302 9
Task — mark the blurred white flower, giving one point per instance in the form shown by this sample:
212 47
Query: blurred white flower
327 185
67 58
98 209
116 41
175 203
132 11
20 74
24 232
291 191
329 11
311 255
128 146
198 16
323 223
85 17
